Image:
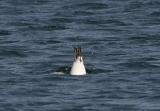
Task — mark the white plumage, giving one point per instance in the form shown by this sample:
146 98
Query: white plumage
78 67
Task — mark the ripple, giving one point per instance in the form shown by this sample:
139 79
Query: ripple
156 13
4 32
93 6
29 2
48 41
145 39
61 20
12 53
48 27
138 65
134 6
114 22
18 23
153 4
82 13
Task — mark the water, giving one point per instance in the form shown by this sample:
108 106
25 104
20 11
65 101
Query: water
121 42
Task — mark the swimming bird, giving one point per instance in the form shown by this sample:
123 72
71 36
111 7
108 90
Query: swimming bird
78 67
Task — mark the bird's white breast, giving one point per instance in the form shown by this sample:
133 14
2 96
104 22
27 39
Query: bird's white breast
78 67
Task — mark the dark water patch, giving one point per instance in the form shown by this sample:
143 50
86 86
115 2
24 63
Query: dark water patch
150 21
155 13
20 23
48 28
11 10
103 22
44 65
123 107
8 108
60 55
116 53
61 20
93 6
153 80
82 13
52 41
94 70
8 41
38 64
4 32
11 53
42 2
62 13
19 2
145 38
117 22
58 77
148 59
38 92
93 42
28 2
155 98
138 65
152 4
45 42
34 53
64 69
115 95
124 80
74 39
113 30
40 103
89 6
134 6
11 80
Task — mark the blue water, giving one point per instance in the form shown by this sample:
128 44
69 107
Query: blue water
121 42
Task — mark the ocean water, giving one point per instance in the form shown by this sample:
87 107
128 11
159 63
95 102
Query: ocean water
120 40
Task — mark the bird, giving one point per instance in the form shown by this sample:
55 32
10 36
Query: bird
78 67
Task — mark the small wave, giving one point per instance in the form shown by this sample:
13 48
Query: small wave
153 3
11 53
18 23
93 6
145 38
156 13
102 22
82 13
28 2
61 20
138 65
42 42
48 28
4 32
133 6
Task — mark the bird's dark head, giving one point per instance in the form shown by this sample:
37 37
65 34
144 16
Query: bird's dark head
78 54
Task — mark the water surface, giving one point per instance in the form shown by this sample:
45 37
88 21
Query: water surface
121 42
